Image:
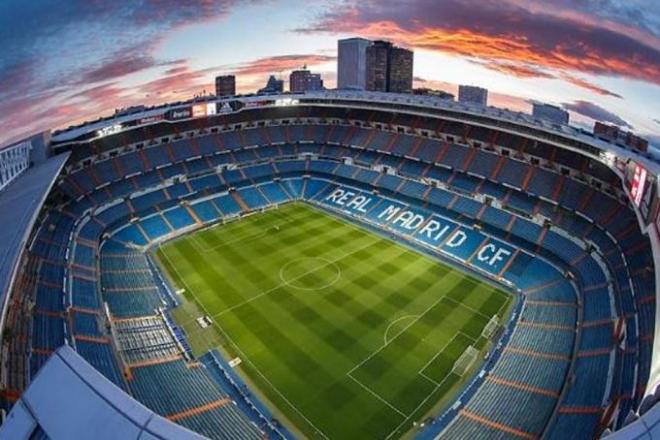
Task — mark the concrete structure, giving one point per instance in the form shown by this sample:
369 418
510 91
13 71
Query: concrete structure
273 85
69 399
624 138
13 161
552 113
401 70
20 203
352 63
305 81
389 68
225 85
472 95
377 66
431 92
278 108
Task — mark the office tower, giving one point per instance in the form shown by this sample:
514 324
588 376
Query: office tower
352 63
389 68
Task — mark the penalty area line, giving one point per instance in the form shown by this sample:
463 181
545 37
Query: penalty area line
249 361
377 396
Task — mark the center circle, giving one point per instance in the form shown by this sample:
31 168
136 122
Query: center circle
310 273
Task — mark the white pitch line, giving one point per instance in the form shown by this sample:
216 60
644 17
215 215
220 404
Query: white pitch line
247 359
433 381
472 309
266 292
398 334
438 353
206 249
439 384
394 322
377 396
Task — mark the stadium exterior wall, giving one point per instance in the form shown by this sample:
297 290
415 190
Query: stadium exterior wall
654 376
69 399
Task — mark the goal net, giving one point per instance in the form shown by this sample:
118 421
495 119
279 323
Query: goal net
490 328
463 363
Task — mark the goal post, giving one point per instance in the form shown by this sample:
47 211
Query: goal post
465 361
490 327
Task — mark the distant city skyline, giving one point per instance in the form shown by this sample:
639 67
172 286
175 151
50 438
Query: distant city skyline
81 60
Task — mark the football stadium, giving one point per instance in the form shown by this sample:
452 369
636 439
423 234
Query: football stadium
331 265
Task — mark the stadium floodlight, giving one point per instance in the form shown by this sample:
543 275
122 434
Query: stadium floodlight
286 102
106 131
608 157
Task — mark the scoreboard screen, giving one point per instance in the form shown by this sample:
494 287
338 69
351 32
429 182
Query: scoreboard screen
638 184
642 186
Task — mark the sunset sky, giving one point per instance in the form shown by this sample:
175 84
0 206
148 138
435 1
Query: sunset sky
64 62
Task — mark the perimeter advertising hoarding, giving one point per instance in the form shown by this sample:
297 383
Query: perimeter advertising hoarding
150 119
179 113
203 110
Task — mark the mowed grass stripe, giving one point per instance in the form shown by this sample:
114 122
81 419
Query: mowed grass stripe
305 341
251 276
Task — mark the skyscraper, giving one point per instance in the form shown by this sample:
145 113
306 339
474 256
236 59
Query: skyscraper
401 70
473 95
352 63
225 85
389 68
378 55
305 81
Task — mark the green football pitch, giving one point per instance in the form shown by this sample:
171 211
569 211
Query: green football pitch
348 335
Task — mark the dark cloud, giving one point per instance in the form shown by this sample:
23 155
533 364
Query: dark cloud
114 68
51 50
589 86
595 112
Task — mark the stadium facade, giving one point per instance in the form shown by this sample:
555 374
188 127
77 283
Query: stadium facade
566 220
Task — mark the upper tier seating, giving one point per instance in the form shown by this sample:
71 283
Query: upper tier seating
532 371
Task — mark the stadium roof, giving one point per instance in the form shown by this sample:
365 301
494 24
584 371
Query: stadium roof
69 399
391 100
646 427
20 203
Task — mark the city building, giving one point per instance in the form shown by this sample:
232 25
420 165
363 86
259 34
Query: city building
401 70
548 112
626 139
352 63
377 66
273 85
225 85
389 68
473 95
422 91
305 81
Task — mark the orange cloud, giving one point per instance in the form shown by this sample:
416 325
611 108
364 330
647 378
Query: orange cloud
281 63
506 36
